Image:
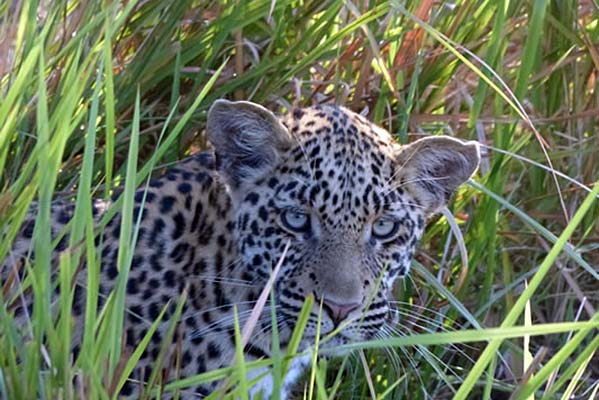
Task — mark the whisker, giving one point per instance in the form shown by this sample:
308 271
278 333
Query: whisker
307 159
228 281
452 346
410 316
390 188
226 321
215 308
390 351
401 167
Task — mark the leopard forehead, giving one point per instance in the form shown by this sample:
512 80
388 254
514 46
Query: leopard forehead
339 122
340 166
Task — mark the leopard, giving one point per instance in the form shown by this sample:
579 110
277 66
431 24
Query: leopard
320 194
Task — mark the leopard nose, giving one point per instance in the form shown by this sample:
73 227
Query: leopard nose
338 312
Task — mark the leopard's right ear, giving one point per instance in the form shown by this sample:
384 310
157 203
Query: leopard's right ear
247 139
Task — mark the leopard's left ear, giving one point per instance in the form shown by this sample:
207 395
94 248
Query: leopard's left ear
247 139
432 168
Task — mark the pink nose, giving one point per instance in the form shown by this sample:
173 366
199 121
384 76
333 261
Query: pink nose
338 312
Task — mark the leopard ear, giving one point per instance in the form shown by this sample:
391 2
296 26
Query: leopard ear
247 139
432 168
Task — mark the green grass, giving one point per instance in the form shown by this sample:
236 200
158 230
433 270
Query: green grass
95 96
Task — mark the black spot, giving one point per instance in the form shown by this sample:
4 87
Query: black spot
116 231
28 230
156 262
64 216
207 318
130 337
132 287
156 230
201 363
157 336
137 261
179 221
135 314
196 216
179 252
62 244
205 234
203 177
127 389
155 351
154 283
166 204
262 213
247 277
186 358
213 350
221 240
153 311
191 322
139 195
169 278
184 188
112 272
156 183
254 351
200 267
314 152
273 182
255 228
147 294
298 113
252 198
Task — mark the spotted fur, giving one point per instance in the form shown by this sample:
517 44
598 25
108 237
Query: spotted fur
349 202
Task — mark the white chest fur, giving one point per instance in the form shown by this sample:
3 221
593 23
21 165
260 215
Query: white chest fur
264 388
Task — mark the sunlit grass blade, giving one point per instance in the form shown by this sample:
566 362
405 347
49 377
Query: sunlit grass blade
145 171
568 248
277 357
419 269
109 100
125 245
137 353
571 372
515 312
298 331
211 376
64 329
240 367
314 356
556 361
167 340
42 235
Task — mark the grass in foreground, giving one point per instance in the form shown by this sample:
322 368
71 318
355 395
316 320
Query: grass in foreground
94 97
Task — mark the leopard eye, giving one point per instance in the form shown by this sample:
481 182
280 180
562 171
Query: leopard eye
296 221
384 228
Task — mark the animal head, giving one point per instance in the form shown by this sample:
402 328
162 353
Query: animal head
350 201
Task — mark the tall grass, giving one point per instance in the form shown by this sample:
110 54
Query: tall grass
94 96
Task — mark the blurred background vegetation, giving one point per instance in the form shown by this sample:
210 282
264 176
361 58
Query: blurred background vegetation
520 77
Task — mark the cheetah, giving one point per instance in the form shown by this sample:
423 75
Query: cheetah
321 191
